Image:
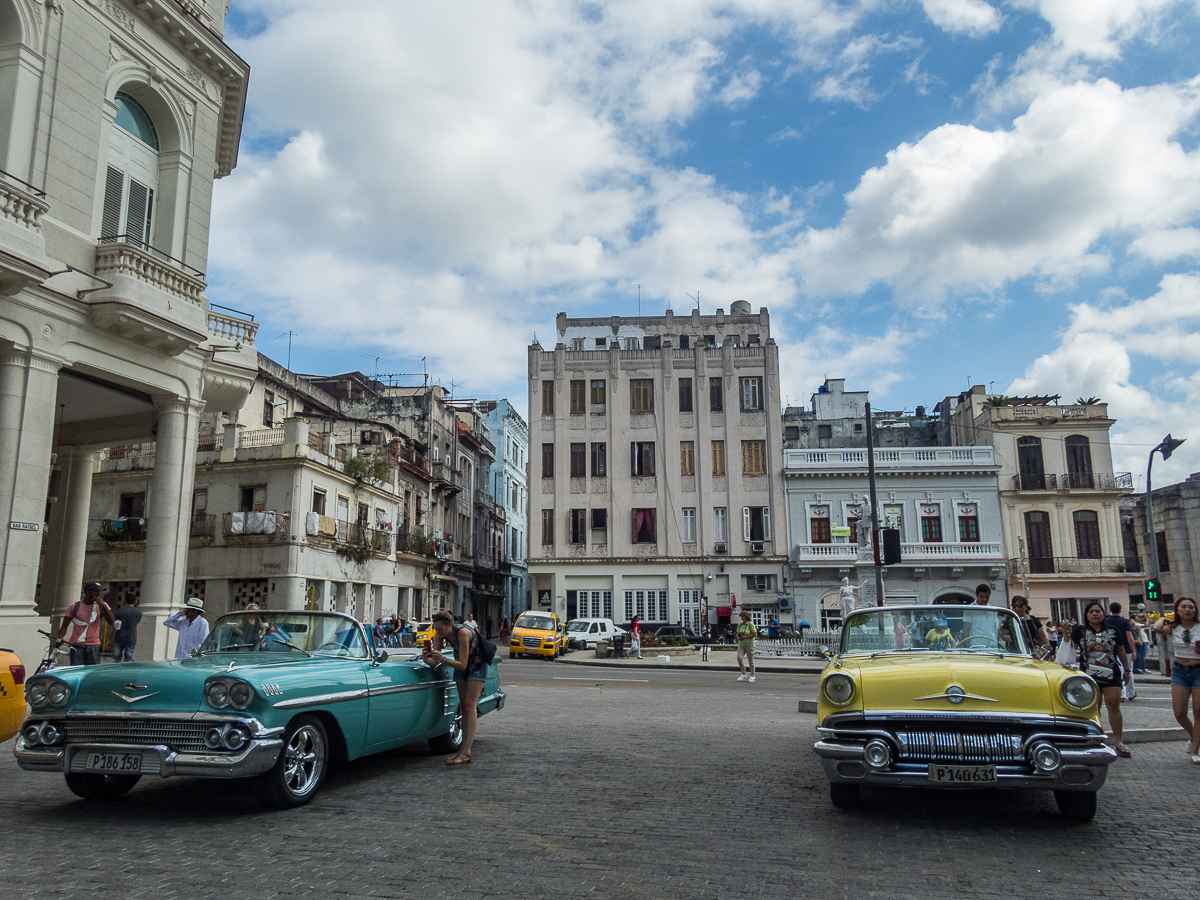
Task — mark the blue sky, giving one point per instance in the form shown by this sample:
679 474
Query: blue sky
925 194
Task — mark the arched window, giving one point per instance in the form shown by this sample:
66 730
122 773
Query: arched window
132 177
1029 459
1079 462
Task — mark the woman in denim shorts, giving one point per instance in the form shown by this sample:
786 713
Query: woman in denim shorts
470 673
1182 634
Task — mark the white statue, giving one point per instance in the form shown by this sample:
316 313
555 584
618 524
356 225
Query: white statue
865 549
847 598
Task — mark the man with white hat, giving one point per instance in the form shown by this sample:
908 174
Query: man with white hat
191 625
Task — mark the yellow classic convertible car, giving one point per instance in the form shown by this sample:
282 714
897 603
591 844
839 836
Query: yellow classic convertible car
951 697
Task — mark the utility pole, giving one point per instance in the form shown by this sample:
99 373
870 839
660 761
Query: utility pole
874 509
1168 446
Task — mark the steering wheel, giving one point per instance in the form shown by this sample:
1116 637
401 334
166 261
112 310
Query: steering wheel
987 642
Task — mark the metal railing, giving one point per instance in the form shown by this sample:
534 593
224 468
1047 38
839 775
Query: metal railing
377 540
1074 481
210 442
122 530
1035 483
133 451
1071 565
809 645
415 543
409 457
202 525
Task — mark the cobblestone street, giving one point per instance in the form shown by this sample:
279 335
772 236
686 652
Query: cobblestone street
630 783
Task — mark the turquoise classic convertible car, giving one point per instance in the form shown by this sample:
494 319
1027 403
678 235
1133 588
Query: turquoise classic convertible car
273 695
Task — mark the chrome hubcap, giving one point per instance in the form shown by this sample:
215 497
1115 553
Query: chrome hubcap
303 760
456 729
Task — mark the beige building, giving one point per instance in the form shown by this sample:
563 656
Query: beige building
655 483
1059 496
115 117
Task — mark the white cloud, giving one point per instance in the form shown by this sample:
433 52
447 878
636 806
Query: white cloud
967 210
1096 29
1168 244
742 86
1095 358
972 17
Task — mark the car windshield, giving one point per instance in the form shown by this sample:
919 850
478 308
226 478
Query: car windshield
284 632
577 626
539 623
972 629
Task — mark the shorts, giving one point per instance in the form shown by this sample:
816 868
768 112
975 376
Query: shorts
477 674
1186 677
85 655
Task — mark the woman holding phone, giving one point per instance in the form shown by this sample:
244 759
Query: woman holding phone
1182 632
1102 654
470 673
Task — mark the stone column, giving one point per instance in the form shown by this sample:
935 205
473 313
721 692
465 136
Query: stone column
74 504
28 393
168 517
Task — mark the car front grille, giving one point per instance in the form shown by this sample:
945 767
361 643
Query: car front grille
534 642
181 735
958 747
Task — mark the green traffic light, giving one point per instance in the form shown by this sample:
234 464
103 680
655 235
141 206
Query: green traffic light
1152 590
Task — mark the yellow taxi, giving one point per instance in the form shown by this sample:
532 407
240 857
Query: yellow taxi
12 694
538 634
424 632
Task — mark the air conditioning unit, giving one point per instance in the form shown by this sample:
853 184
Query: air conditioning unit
786 603
720 548
756 546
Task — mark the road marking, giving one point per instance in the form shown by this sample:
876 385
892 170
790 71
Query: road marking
605 680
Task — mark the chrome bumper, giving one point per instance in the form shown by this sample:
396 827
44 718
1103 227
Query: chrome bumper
1082 769
259 756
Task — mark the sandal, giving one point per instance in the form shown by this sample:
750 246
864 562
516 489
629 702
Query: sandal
1124 753
458 760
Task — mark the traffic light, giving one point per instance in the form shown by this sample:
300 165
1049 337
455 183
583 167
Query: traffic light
1152 588
891 546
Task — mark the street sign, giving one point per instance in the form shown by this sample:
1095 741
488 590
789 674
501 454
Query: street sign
24 526
840 531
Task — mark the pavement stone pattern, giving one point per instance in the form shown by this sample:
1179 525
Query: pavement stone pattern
627 783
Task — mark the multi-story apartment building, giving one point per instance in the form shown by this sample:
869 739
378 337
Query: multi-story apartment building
656 466
945 501
1177 534
115 118
838 418
1059 495
509 434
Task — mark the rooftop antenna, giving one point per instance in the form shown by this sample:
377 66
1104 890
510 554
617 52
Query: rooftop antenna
289 337
696 298
639 301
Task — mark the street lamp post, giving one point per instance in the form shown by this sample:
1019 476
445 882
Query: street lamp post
875 539
1168 446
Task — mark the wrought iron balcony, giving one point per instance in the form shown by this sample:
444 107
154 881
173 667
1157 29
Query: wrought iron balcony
1071 565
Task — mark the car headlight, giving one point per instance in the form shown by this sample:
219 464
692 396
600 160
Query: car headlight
35 693
32 735
1079 692
839 689
57 693
216 694
240 694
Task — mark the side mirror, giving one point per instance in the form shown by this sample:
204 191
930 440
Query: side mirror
826 652
381 656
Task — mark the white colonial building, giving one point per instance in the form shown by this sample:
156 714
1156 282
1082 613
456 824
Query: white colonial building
655 472
115 117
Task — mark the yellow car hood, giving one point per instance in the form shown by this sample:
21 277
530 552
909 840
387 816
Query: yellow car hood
988 683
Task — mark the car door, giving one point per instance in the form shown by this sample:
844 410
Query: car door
400 696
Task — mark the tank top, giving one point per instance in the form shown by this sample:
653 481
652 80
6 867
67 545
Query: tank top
1186 652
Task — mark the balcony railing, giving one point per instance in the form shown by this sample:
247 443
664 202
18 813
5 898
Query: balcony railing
122 530
417 544
202 525
229 328
1070 565
116 256
1074 481
909 552
21 202
918 457
410 459
375 539
263 437
247 524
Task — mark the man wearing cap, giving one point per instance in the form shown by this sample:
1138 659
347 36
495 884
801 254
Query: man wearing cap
85 615
191 625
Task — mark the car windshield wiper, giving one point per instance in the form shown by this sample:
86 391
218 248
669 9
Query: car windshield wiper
274 638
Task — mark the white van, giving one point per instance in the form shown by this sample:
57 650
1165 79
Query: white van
584 634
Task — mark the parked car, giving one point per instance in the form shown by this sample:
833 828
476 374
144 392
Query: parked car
665 632
951 697
12 694
537 634
269 695
585 634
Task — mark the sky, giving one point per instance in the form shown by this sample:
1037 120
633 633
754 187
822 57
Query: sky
926 194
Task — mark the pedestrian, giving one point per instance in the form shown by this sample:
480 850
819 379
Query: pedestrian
1126 629
773 627
1181 632
1035 634
635 636
1053 635
86 615
505 631
191 625
1101 650
470 674
747 633
1139 642
980 625
488 632
125 640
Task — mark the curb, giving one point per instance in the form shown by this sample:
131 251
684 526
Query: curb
655 664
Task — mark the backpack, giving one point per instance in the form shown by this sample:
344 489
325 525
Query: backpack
487 650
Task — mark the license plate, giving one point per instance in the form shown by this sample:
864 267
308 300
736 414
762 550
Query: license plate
113 762
962 774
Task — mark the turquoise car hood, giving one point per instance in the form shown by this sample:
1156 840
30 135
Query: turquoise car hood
169 686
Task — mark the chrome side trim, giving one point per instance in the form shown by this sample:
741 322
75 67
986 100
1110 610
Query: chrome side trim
404 688
956 698
323 699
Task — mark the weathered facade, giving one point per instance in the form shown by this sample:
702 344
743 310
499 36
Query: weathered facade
509 485
1177 533
655 467
115 118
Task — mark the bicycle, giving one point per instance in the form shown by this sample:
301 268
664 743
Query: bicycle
51 659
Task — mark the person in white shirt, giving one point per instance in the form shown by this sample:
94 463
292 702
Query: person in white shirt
191 625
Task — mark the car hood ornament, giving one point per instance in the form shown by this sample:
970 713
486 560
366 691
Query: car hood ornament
955 694
129 699
136 687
